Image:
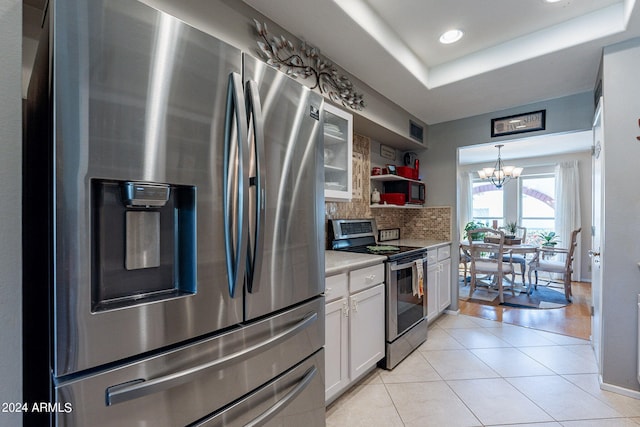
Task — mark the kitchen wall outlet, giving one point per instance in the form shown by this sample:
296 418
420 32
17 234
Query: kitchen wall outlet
388 234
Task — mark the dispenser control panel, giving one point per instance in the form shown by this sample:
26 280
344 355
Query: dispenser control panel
136 194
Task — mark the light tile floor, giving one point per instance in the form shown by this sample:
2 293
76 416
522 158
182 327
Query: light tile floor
477 372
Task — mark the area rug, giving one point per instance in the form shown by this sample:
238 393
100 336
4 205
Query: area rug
542 298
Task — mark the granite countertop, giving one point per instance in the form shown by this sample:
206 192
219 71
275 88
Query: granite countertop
336 262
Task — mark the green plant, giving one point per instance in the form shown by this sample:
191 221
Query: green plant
470 226
549 238
512 228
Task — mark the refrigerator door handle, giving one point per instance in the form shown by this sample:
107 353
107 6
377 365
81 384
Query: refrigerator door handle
141 387
282 403
235 256
254 110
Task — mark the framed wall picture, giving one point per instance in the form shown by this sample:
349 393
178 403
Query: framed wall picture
518 123
387 152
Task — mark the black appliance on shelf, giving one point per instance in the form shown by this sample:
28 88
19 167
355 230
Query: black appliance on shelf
414 191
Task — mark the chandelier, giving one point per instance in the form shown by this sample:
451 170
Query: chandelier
499 174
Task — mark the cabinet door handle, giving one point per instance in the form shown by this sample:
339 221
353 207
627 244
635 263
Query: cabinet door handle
354 305
371 277
345 309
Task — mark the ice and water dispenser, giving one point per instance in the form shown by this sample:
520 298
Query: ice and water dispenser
144 242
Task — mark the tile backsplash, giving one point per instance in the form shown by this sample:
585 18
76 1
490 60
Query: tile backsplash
426 223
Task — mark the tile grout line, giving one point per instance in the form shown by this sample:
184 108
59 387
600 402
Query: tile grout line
574 347
505 378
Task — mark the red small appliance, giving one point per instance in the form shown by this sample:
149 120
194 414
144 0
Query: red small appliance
415 192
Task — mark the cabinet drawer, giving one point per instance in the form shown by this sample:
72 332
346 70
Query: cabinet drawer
365 277
444 252
335 287
432 256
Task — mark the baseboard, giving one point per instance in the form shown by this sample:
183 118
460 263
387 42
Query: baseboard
618 390
443 312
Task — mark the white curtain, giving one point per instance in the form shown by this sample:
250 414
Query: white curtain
568 208
465 200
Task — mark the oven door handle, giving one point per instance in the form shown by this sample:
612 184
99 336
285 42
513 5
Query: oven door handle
407 265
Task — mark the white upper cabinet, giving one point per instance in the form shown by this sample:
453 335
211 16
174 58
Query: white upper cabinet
338 150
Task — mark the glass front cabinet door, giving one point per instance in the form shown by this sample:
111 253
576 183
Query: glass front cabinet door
338 146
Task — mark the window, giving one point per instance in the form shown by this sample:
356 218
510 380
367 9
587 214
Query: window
487 203
530 202
537 203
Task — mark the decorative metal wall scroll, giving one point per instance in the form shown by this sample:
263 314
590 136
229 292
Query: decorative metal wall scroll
306 62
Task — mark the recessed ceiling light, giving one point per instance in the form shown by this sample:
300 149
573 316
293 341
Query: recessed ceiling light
552 1
451 36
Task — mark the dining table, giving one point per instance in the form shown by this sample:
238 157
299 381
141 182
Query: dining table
522 248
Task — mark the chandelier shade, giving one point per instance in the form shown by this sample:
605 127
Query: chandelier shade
500 174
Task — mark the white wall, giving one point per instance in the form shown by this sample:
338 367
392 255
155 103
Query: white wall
584 165
438 165
10 208
621 248
565 114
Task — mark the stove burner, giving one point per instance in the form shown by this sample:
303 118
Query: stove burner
359 236
399 252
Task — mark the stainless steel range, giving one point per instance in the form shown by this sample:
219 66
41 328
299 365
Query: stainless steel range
406 298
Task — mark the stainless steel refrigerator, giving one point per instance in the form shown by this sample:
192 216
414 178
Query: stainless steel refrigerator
173 241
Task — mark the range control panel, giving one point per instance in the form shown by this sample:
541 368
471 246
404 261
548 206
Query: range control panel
388 234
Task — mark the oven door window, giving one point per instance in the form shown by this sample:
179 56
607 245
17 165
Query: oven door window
409 308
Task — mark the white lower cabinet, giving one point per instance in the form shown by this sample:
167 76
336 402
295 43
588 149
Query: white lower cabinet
354 327
366 330
336 373
444 284
438 281
432 291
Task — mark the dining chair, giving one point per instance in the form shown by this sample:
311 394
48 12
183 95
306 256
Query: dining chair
488 258
541 262
465 259
521 260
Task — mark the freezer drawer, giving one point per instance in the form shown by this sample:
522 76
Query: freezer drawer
294 399
184 385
